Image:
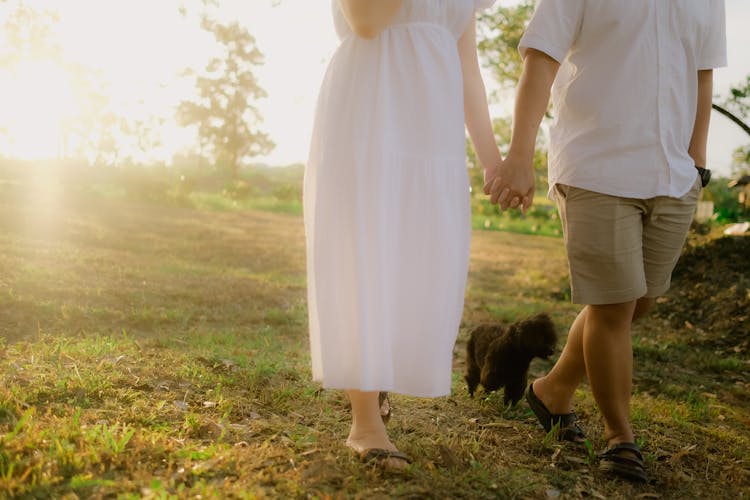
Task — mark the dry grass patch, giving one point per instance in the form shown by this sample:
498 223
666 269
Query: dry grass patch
154 351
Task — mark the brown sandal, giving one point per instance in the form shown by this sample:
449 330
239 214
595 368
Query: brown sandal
380 457
385 407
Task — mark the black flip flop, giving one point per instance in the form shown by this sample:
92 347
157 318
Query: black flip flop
566 424
627 466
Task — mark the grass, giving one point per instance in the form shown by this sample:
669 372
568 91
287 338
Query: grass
541 219
156 350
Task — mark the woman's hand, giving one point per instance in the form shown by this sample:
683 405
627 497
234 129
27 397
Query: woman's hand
367 18
490 173
513 186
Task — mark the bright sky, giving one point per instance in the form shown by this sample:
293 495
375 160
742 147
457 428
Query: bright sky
141 45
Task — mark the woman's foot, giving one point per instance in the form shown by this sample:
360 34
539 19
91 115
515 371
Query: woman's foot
377 447
368 433
360 441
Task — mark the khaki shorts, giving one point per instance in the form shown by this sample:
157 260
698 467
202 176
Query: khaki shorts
622 249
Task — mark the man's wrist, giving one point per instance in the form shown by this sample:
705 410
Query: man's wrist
521 155
705 175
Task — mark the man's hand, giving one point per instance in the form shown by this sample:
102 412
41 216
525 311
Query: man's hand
513 186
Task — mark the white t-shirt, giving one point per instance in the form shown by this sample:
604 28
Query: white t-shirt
625 96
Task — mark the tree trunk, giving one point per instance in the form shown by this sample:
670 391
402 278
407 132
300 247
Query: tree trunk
732 117
233 167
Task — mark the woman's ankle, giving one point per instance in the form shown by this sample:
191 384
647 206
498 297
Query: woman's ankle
361 440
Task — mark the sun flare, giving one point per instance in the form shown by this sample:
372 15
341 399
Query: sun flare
34 107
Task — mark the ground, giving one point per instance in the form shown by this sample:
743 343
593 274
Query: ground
153 350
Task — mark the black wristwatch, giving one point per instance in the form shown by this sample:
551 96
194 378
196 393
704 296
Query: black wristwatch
705 175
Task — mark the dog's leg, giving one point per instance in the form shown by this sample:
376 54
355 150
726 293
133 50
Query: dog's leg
472 379
472 370
514 389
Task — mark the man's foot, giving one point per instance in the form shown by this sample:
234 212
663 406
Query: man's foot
625 461
565 424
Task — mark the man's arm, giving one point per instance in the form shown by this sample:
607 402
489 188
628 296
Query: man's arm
476 110
514 184
367 18
697 149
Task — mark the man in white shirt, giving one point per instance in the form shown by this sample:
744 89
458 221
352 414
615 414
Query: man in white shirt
631 99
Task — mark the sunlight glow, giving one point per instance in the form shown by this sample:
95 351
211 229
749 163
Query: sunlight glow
139 48
33 108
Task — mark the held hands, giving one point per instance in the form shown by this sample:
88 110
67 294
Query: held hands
490 173
510 184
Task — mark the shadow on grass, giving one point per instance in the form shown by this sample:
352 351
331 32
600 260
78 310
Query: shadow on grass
156 351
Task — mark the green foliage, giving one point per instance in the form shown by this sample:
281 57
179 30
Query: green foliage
736 107
739 98
273 189
540 219
154 184
224 113
499 31
741 160
727 207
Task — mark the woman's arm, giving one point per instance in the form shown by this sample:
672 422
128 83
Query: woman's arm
476 110
367 18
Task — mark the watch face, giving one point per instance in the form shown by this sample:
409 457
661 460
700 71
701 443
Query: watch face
705 175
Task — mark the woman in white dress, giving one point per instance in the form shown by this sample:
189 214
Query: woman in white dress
386 203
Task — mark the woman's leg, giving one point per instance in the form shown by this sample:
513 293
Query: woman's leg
368 430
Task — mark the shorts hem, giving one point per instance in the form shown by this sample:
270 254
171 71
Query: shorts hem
604 298
657 291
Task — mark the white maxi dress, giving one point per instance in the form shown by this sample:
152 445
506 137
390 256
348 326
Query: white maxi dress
386 204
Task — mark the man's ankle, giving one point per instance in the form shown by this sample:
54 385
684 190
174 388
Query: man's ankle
549 393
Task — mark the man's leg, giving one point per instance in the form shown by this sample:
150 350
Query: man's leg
608 354
643 306
557 388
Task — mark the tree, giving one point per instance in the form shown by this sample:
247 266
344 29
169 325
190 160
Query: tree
736 107
499 32
90 128
224 114
28 34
